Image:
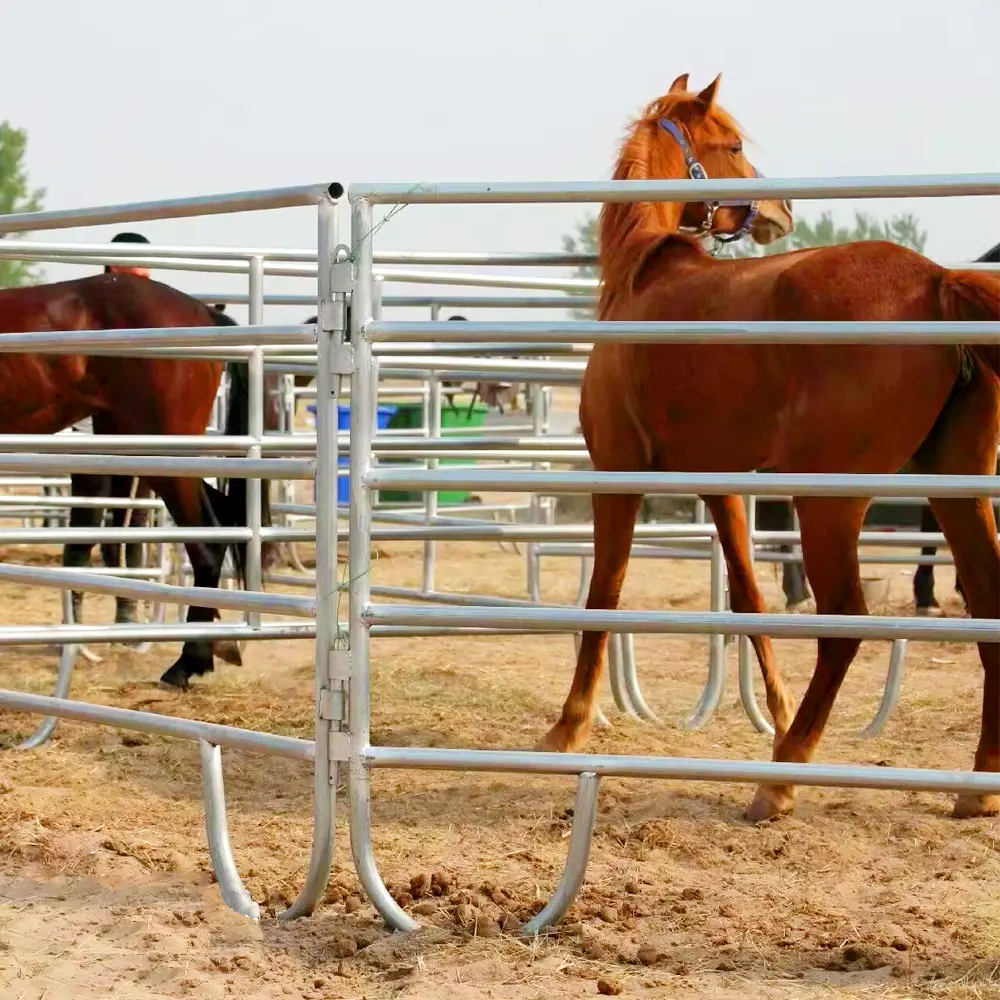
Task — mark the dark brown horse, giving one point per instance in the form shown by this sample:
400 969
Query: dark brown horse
44 393
785 408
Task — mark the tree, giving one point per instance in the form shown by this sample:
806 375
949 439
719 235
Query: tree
902 229
583 241
824 232
16 195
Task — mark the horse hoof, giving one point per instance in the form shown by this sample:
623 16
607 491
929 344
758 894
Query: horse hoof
770 803
803 607
174 679
559 739
971 806
228 651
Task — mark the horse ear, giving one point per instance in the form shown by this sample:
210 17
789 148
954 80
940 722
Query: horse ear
680 84
707 96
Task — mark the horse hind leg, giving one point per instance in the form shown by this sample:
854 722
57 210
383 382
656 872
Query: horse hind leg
970 528
729 515
77 555
830 529
614 526
188 504
964 442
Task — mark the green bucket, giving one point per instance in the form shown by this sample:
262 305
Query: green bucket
409 416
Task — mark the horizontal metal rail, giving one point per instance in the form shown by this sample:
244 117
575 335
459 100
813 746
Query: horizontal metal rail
160 725
205 597
688 769
12 248
709 484
710 189
691 623
150 465
95 535
869 333
89 635
91 341
175 208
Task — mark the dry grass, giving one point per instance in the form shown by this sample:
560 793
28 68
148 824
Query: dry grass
862 894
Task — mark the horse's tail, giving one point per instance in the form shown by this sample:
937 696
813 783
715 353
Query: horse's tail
972 295
233 496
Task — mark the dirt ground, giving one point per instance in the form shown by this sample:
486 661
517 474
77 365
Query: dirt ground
106 889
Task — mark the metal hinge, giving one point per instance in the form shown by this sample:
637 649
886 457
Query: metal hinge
342 360
333 703
340 748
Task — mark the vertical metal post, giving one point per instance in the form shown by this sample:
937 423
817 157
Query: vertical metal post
535 512
433 431
364 393
330 670
746 659
255 428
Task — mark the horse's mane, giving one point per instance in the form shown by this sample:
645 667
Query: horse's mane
627 229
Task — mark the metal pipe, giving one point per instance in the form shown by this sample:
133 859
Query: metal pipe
713 484
234 893
909 333
709 189
745 678
433 426
692 622
890 694
153 465
64 678
81 635
330 328
580 839
683 768
206 597
161 725
124 342
175 208
363 400
255 428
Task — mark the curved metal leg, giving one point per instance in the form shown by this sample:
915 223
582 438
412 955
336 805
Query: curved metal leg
616 676
584 817
359 791
747 696
716 681
893 683
632 687
67 661
234 895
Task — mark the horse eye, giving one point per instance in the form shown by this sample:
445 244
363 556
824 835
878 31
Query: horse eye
737 149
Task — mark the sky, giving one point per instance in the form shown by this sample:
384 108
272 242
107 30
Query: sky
130 101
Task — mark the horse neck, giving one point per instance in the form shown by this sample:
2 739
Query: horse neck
629 230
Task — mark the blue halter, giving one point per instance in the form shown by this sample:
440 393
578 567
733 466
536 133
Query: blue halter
698 173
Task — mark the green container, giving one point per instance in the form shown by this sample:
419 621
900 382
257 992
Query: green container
410 416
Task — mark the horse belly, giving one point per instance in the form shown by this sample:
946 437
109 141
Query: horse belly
42 395
707 410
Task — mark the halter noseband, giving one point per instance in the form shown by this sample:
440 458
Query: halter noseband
698 173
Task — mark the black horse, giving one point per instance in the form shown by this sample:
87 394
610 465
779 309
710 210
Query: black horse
776 515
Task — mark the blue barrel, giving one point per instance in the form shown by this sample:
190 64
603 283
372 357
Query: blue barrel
383 415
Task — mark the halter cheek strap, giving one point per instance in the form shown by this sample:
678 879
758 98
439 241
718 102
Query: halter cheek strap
698 173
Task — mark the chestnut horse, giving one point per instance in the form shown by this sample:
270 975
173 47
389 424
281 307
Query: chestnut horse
45 393
788 408
776 515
